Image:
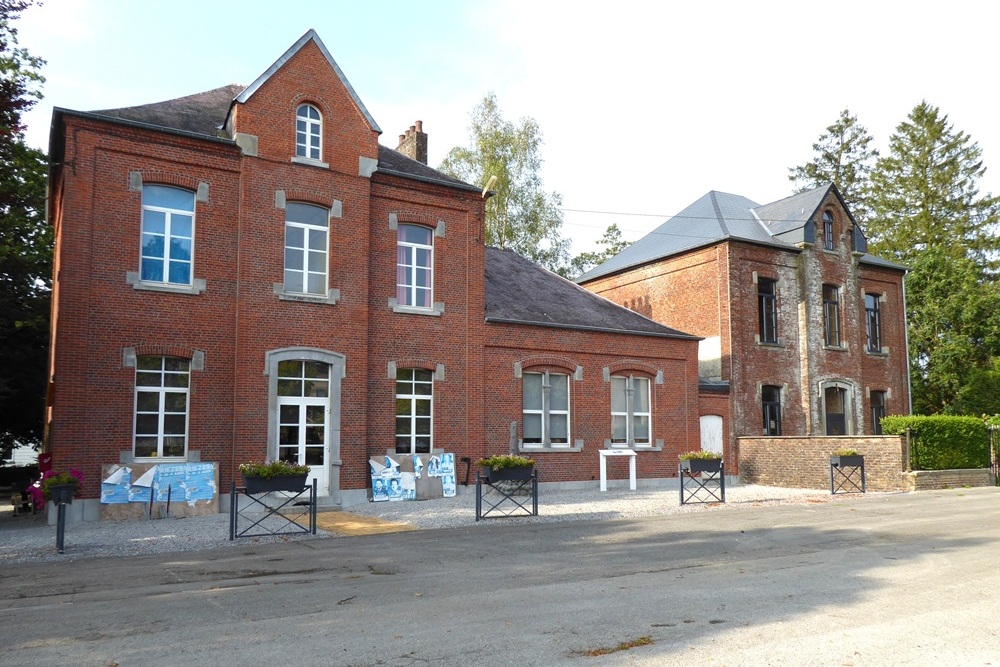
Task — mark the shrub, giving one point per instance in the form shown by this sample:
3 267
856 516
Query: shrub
700 454
943 443
847 451
273 469
501 461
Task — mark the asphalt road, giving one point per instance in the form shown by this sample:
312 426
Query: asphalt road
907 579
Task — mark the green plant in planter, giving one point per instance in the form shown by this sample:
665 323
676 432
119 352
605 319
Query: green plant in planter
700 455
847 451
60 479
273 469
501 461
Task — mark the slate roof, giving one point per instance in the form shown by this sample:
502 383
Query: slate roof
719 216
205 114
518 291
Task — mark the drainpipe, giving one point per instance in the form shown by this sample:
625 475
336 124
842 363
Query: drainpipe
906 345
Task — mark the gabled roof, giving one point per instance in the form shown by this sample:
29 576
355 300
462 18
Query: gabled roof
518 291
719 216
205 114
292 50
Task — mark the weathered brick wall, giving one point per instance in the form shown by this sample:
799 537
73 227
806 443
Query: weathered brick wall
802 462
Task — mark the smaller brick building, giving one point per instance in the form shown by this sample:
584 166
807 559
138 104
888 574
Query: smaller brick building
246 273
803 331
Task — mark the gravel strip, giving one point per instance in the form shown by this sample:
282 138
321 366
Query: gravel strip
27 539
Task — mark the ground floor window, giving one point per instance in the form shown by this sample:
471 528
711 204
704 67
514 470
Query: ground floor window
836 409
770 399
414 411
630 412
545 402
161 407
878 411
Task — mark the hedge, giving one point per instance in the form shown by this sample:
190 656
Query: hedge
943 443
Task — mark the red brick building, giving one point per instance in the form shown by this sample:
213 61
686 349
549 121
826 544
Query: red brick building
245 273
802 327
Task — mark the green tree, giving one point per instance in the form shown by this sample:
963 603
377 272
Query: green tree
520 216
981 393
25 245
609 245
843 156
928 214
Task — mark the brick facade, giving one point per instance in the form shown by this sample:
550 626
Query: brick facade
712 291
236 325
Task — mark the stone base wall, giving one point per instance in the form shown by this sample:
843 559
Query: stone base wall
804 462
926 480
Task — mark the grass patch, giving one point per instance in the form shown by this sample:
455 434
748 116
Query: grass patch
624 646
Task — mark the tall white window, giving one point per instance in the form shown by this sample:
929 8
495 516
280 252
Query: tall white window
306 231
167 235
414 411
545 409
630 415
308 132
415 266
161 407
303 405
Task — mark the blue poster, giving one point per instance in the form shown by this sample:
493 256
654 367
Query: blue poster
380 488
447 464
448 486
114 490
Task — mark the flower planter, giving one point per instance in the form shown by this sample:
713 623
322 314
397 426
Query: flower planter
507 474
701 465
62 494
291 483
847 461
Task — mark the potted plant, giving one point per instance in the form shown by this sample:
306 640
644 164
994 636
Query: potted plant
57 487
502 467
274 476
701 461
847 458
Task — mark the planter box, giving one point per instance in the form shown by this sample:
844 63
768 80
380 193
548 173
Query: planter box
508 474
701 465
847 461
291 483
62 494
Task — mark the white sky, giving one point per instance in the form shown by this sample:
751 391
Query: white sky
645 106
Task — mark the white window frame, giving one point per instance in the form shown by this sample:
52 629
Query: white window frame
412 397
161 391
630 386
546 411
308 128
407 267
307 252
303 399
168 236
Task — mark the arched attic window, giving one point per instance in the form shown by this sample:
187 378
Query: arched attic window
308 132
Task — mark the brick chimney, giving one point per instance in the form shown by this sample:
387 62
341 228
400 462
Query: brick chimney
413 144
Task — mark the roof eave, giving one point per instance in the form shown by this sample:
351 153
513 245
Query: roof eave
137 124
582 327
426 179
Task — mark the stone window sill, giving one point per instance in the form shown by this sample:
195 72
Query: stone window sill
197 286
331 298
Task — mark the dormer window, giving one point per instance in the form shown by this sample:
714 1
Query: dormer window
308 132
827 230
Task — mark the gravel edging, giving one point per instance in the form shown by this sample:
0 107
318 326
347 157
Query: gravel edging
28 539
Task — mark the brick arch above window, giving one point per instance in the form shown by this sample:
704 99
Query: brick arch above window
635 367
423 364
130 354
547 362
307 196
397 218
139 177
312 100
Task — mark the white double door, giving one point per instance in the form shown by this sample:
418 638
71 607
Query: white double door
303 436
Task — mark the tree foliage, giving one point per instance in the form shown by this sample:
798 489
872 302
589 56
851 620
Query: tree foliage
521 215
843 155
609 245
25 244
928 214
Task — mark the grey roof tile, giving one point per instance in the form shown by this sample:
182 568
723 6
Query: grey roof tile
201 113
521 292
